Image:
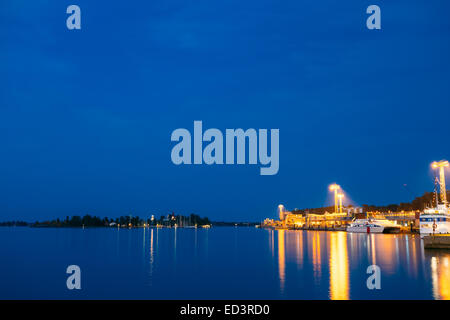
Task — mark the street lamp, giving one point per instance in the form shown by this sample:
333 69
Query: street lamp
340 196
335 187
441 165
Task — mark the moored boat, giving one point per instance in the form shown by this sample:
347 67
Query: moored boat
435 221
373 226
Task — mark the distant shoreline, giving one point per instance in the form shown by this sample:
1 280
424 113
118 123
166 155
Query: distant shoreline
44 225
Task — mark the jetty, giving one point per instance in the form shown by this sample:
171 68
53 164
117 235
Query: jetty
437 241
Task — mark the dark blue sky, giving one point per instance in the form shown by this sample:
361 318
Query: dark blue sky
86 116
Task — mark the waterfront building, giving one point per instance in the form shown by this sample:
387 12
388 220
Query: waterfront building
338 221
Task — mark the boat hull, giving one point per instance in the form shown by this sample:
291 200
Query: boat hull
391 230
366 229
434 224
373 226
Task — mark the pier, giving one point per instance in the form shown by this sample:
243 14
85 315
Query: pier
409 221
441 241
428 215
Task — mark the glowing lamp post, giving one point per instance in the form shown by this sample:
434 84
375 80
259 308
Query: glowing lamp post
335 187
340 196
281 212
441 165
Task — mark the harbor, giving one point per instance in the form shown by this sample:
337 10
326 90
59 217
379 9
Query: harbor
407 222
432 222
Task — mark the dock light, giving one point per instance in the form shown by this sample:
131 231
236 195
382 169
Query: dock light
340 196
441 165
335 187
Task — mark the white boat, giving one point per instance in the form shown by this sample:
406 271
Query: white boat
373 226
435 221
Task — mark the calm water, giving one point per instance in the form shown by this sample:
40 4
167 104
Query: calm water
220 263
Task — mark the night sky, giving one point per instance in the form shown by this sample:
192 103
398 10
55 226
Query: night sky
86 115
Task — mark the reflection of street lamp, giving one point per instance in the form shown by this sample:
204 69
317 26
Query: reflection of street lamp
340 196
441 165
335 187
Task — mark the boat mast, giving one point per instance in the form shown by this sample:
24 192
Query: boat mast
441 165
435 195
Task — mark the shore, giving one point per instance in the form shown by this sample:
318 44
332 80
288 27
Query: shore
403 230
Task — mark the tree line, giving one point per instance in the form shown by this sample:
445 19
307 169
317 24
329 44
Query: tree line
125 221
428 199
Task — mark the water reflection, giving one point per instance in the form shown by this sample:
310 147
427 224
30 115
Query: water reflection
175 246
152 259
195 242
440 275
310 264
299 241
408 270
328 257
339 273
143 243
281 259
371 251
316 255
